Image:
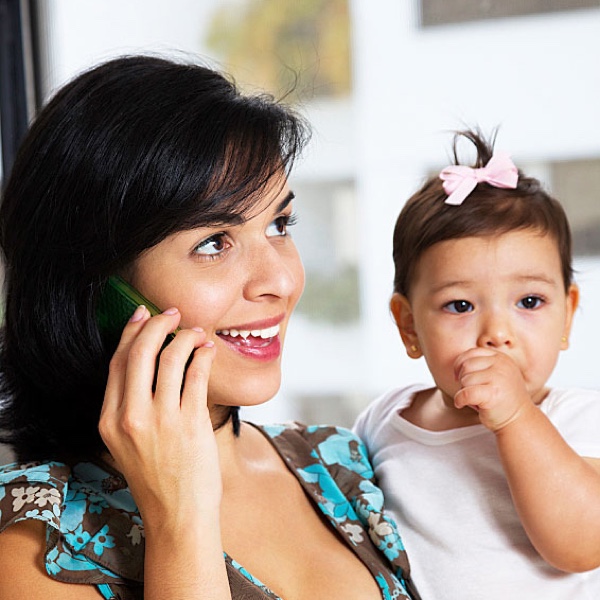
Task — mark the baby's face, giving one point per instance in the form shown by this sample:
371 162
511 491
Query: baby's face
504 293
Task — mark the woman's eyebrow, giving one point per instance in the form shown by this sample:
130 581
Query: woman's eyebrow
289 197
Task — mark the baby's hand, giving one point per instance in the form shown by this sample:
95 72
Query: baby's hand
492 384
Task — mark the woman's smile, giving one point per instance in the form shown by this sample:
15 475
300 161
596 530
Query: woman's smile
259 340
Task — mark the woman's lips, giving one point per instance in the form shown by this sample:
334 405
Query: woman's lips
259 344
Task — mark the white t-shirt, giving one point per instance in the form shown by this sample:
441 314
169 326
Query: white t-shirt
449 496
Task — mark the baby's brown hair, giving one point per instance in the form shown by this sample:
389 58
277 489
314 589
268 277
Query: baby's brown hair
426 219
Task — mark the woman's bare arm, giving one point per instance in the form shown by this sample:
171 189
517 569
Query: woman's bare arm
23 575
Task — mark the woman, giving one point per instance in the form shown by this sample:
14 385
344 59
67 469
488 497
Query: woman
165 175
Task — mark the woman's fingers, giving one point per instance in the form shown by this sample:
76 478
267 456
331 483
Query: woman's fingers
138 364
142 355
173 367
118 365
132 369
148 388
195 387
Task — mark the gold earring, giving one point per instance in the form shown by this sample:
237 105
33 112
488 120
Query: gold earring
413 348
563 339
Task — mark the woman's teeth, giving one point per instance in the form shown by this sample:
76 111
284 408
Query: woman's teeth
265 334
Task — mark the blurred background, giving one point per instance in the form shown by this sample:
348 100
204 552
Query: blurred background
384 84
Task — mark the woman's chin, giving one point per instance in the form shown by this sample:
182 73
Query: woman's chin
247 391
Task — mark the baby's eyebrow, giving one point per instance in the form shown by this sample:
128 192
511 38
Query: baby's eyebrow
520 278
451 284
537 278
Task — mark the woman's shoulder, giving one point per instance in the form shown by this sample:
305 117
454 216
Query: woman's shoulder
320 449
22 548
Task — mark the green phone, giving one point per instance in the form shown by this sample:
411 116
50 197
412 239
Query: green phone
116 305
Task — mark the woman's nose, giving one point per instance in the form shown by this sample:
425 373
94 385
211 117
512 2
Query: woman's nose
274 272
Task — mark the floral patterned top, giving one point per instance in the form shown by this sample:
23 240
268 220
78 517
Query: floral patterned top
95 535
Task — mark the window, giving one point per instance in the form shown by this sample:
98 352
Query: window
443 12
577 184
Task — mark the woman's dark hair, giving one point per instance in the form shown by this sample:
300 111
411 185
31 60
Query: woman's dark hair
126 154
426 219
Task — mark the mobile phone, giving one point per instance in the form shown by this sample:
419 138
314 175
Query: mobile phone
116 305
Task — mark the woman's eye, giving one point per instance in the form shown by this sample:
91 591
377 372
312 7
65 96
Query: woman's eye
459 306
279 227
211 246
530 302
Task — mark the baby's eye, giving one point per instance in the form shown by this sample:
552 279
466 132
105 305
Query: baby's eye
278 227
530 302
459 306
211 246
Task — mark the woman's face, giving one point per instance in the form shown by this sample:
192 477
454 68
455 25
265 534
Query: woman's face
240 283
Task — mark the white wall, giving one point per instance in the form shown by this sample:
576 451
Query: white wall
86 32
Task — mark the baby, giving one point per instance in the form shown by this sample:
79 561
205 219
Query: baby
493 477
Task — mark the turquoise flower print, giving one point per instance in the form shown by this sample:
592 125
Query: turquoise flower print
51 565
385 588
387 592
371 495
391 546
274 430
74 509
78 539
102 540
331 499
57 561
97 504
51 517
346 449
31 471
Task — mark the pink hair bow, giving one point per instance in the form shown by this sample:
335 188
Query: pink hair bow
460 181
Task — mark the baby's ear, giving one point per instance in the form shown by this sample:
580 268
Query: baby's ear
403 315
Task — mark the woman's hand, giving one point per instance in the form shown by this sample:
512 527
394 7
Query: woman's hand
162 441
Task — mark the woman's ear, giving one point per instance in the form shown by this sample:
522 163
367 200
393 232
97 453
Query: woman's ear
403 315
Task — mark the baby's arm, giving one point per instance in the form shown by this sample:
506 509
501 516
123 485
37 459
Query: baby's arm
556 492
